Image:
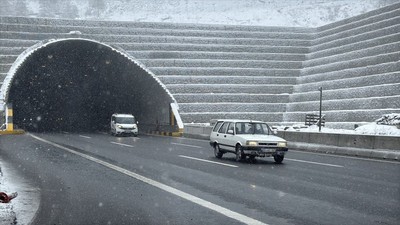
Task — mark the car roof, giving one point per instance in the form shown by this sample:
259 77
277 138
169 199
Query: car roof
240 120
123 115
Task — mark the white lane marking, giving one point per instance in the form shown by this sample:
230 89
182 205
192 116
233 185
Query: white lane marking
208 161
192 146
219 209
317 163
194 139
84 136
345 156
122 144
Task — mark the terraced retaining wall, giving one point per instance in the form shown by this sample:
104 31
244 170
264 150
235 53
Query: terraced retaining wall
261 73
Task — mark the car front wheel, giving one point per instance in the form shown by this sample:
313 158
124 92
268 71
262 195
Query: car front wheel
217 151
278 158
239 153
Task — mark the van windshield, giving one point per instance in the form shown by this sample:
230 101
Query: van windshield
125 120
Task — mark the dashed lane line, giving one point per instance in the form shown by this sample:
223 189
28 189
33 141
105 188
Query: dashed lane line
186 145
122 144
208 161
219 209
87 137
316 163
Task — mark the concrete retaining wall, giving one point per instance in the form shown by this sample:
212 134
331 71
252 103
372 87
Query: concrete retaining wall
355 61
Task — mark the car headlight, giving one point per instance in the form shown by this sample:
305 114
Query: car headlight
282 144
119 126
252 143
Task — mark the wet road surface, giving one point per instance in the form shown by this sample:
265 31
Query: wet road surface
95 178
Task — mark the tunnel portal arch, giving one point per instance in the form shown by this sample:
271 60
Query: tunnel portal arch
77 84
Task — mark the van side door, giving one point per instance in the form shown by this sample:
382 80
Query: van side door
112 122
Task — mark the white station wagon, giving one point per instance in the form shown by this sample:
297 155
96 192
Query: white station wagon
247 138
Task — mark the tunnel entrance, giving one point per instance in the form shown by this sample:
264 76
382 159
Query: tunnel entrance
76 85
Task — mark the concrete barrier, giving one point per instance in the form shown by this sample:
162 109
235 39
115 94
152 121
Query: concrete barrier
197 131
371 146
345 141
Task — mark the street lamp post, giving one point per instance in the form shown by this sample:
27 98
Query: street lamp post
320 108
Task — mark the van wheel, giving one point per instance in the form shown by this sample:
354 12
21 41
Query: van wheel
239 153
217 151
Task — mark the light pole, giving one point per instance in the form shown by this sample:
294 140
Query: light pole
320 108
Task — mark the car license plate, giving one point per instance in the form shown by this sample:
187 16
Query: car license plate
268 150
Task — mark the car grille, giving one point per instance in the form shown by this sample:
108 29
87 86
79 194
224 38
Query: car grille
127 128
268 144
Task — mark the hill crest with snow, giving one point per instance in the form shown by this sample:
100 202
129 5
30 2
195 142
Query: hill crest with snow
292 13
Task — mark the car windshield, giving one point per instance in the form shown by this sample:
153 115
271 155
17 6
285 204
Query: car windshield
252 128
125 120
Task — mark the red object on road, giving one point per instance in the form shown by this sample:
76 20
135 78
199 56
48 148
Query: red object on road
4 198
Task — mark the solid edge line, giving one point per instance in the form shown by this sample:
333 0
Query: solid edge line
184 195
347 157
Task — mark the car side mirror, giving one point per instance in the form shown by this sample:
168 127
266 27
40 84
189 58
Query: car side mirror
137 122
275 132
230 132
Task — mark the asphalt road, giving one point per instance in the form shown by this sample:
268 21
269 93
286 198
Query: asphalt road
100 179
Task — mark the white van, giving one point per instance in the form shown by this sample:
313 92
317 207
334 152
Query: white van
123 124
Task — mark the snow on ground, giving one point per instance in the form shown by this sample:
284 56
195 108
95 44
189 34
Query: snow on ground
378 129
23 208
387 125
7 213
368 129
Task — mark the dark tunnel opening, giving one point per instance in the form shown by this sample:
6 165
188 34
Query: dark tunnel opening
76 85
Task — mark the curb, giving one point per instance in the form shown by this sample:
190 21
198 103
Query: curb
14 132
163 133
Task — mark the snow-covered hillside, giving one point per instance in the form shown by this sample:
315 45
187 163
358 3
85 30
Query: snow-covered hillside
298 13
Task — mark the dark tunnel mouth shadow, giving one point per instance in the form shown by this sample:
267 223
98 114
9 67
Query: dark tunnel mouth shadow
77 84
